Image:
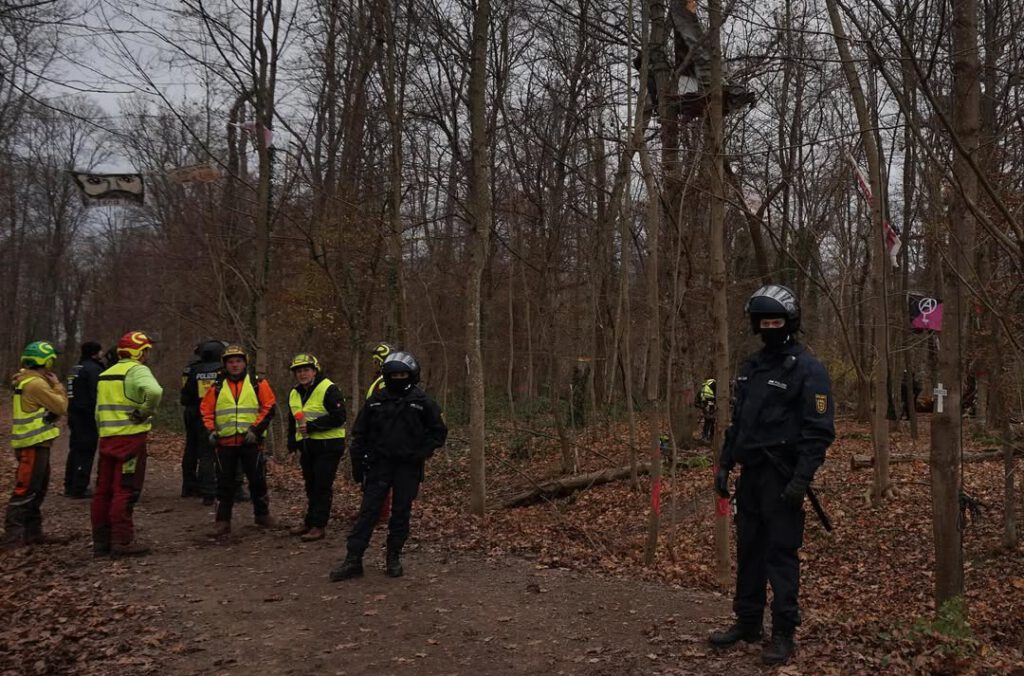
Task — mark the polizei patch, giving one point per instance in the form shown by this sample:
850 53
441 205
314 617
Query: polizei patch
820 403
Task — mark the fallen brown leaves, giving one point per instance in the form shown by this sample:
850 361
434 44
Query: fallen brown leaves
867 587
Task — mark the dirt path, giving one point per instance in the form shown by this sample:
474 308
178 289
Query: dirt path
263 601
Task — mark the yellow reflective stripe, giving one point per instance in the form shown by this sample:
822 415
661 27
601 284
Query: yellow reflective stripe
31 433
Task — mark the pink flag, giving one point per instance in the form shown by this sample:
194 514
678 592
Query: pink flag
892 238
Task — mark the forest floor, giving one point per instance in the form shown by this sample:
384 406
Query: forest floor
555 588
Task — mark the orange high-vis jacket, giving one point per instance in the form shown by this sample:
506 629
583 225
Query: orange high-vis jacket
208 408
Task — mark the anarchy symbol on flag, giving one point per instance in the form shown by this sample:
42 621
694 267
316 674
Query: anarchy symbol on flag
926 306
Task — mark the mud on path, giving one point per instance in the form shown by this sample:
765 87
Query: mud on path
262 602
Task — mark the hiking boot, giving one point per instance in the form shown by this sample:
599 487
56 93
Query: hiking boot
313 534
221 529
301 529
101 541
266 521
351 567
393 564
134 548
751 633
780 649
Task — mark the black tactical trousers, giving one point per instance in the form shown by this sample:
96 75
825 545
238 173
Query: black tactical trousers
769 534
403 478
254 464
190 456
319 467
82 443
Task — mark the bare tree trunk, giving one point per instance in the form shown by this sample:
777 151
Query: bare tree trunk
947 426
720 309
478 241
881 488
654 211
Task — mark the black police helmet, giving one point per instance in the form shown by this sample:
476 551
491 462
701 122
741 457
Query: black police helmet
398 362
774 300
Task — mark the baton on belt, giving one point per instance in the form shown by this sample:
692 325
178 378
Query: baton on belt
787 474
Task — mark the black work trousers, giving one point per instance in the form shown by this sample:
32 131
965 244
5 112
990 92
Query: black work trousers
403 479
769 534
82 443
319 461
254 464
198 466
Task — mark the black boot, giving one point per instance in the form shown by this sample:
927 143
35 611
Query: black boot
740 631
101 541
781 648
351 567
393 566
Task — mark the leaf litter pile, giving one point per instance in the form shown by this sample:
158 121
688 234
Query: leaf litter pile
866 590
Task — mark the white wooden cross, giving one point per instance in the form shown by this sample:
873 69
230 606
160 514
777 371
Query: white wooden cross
940 396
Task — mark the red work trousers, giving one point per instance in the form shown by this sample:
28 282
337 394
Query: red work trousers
122 470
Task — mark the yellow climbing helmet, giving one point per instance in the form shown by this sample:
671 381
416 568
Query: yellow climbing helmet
304 359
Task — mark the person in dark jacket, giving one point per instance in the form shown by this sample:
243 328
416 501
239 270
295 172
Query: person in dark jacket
782 424
198 466
395 433
316 428
82 382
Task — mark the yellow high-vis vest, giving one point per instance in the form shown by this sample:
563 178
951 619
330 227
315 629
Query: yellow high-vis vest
113 407
235 417
314 408
30 429
377 385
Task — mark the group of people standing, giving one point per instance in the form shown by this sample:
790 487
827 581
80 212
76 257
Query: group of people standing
782 425
228 410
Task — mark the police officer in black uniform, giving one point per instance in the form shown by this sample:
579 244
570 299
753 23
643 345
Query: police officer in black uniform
198 467
85 435
782 424
396 431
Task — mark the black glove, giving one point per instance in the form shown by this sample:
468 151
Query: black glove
358 468
138 416
49 417
251 436
213 438
293 447
796 489
722 482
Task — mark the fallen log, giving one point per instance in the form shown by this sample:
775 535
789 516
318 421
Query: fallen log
566 485
866 461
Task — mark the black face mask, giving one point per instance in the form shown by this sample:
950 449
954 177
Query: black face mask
774 338
395 386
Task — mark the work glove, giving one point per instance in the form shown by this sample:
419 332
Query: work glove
138 416
49 418
251 437
213 438
722 482
794 492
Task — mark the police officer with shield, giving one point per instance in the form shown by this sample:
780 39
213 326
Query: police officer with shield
782 424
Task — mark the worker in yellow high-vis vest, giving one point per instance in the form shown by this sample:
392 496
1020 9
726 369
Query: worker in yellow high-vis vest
126 399
39 399
316 429
236 413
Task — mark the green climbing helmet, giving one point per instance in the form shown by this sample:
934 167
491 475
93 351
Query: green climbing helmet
39 353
